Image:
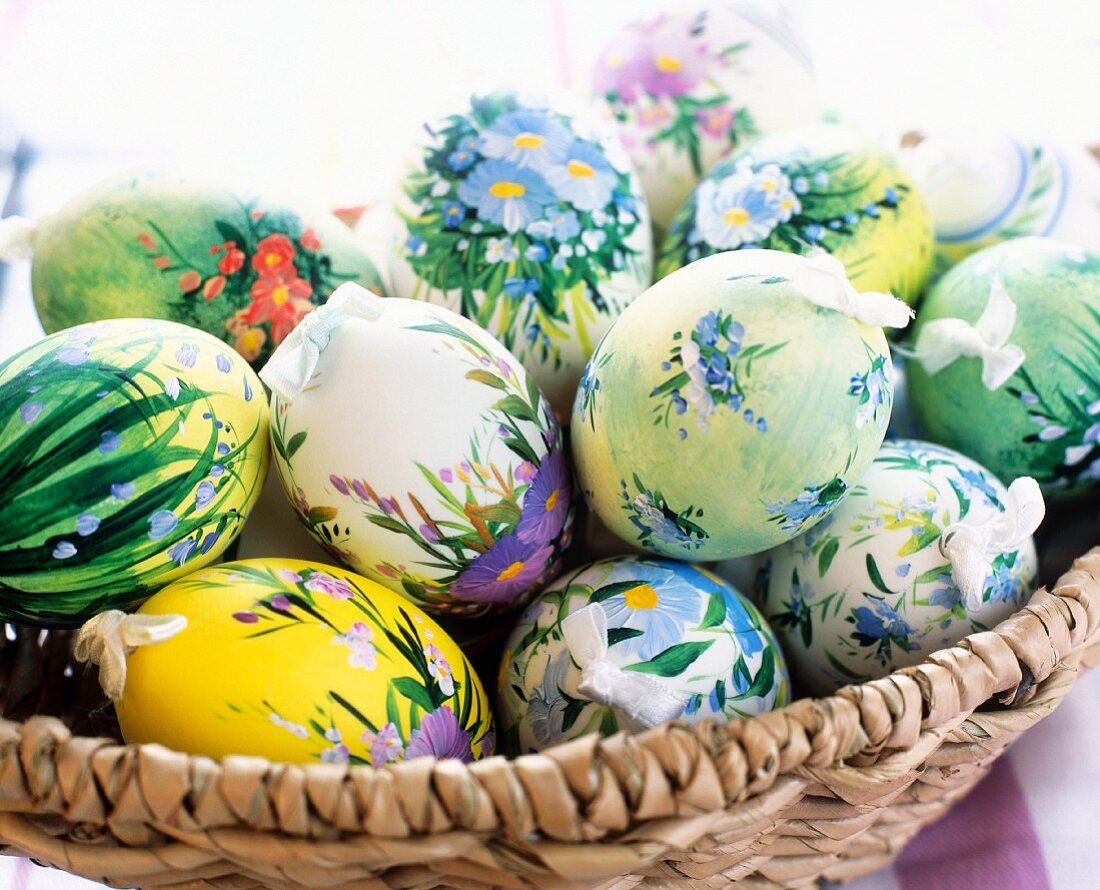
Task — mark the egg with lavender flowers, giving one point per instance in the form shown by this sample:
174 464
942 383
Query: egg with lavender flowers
685 88
726 411
325 666
530 221
421 453
815 188
667 640
870 590
1007 366
133 451
243 267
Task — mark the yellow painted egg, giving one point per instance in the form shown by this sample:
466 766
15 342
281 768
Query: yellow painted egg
302 662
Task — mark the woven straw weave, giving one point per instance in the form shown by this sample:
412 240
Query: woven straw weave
823 788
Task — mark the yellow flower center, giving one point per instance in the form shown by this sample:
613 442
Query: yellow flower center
510 572
735 216
272 259
667 64
506 189
641 597
280 295
552 501
251 340
452 211
580 168
769 185
528 140
786 203
615 61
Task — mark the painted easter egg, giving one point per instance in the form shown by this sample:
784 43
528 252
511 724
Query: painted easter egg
686 88
986 187
629 642
133 451
1007 366
870 589
241 267
726 411
301 662
420 453
530 222
818 188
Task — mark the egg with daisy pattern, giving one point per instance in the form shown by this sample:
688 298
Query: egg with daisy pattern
133 451
805 190
530 221
628 642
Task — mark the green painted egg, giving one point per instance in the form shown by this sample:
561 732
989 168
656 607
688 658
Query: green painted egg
1014 380
241 267
131 452
802 190
725 412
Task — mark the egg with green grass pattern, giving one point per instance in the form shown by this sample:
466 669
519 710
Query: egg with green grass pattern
131 453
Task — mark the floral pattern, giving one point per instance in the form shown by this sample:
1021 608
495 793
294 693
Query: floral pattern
526 219
256 283
137 449
711 370
659 526
812 503
427 705
873 391
868 589
665 619
494 531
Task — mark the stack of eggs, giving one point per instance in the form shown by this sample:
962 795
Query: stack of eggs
737 411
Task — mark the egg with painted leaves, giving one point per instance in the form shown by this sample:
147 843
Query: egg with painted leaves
419 452
243 267
132 452
726 412
661 640
528 219
870 589
815 188
301 662
1007 366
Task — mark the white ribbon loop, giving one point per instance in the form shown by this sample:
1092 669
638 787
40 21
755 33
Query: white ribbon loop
292 364
823 280
946 339
639 700
971 547
17 234
109 637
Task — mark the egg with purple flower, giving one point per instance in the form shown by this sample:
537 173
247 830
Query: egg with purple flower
529 220
326 667
134 451
419 452
876 585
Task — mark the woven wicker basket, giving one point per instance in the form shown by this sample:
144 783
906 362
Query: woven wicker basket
828 788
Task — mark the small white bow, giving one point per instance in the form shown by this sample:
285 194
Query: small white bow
109 637
970 547
639 700
17 234
823 280
946 339
292 364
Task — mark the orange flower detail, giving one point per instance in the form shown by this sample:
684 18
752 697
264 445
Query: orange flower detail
231 262
281 301
146 241
213 287
250 343
310 241
162 262
257 214
274 257
190 281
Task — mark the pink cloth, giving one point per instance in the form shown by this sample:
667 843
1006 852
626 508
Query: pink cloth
1031 825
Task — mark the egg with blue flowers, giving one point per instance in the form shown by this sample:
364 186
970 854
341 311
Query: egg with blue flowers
656 639
805 190
870 589
528 220
132 452
301 662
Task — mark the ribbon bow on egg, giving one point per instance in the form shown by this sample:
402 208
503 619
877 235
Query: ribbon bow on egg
823 280
944 340
970 547
292 364
640 700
